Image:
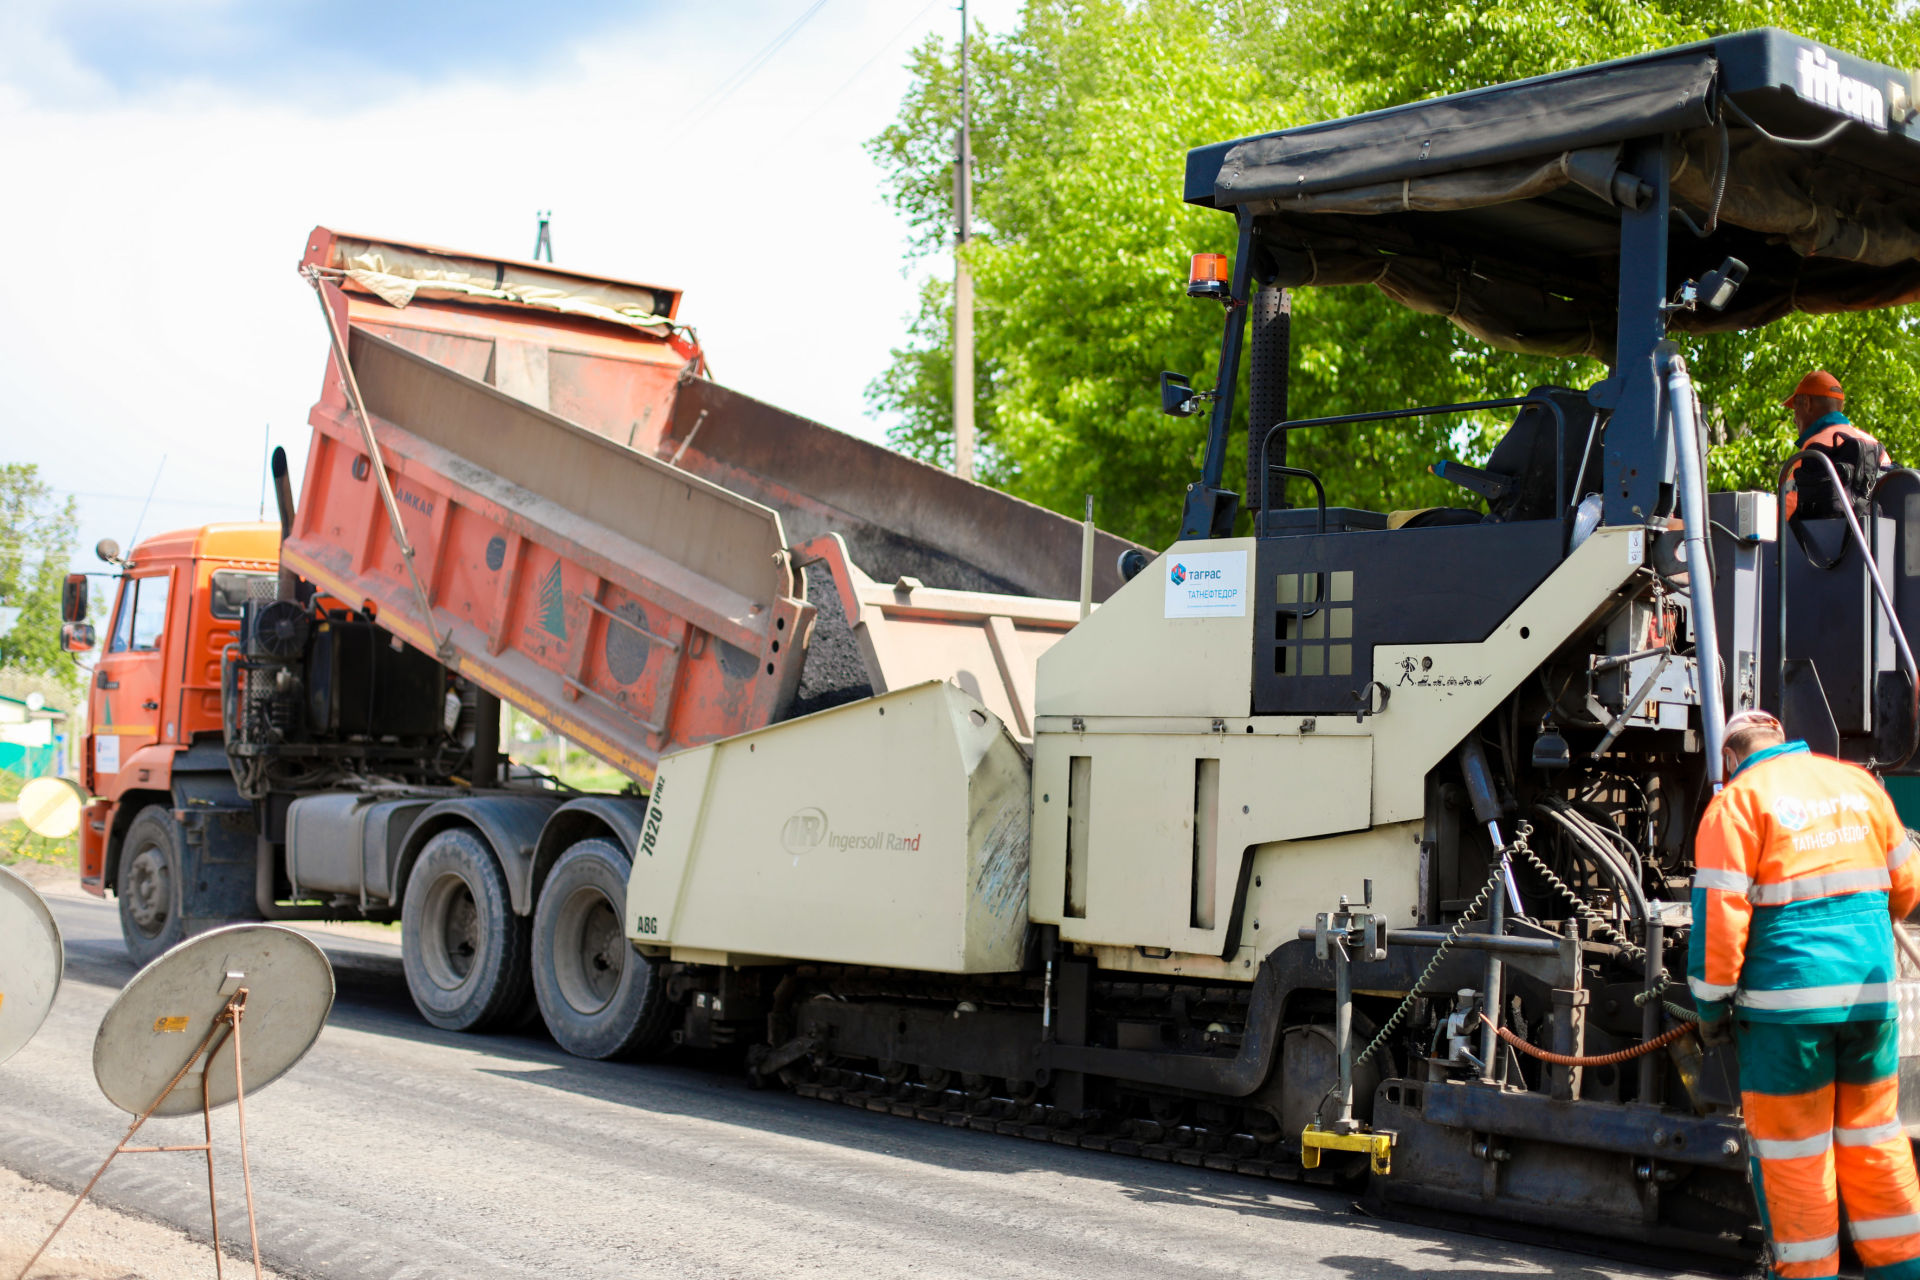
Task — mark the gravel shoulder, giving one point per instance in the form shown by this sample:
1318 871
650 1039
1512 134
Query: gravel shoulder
99 1243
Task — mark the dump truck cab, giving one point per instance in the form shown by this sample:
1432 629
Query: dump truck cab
153 711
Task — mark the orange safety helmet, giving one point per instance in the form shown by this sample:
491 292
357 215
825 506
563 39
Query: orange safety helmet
1818 383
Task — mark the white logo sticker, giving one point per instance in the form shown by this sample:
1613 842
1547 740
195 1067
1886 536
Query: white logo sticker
1817 78
1211 584
1790 813
106 753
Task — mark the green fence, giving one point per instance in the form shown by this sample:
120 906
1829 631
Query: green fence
30 762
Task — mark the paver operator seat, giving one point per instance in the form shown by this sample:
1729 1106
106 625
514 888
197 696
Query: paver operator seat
1518 482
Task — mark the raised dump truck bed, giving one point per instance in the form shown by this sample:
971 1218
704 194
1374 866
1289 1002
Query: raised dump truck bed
607 539
587 349
630 605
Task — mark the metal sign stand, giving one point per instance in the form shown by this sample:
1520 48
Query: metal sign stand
227 1020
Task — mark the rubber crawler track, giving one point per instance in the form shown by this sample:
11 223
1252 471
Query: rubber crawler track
1040 1122
1201 1148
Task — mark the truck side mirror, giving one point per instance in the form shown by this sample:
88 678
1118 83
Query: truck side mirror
1176 395
73 598
77 637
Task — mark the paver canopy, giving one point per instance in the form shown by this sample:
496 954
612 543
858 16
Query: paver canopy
1500 208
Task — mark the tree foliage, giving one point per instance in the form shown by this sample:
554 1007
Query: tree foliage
1082 117
37 533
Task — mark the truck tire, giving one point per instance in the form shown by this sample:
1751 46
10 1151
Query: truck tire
152 855
463 948
598 996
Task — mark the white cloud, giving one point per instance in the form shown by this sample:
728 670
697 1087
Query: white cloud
150 304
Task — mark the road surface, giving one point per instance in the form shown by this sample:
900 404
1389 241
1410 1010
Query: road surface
396 1150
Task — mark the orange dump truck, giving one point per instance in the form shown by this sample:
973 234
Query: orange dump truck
521 485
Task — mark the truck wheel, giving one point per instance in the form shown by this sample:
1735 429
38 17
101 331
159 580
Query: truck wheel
148 884
600 998
463 948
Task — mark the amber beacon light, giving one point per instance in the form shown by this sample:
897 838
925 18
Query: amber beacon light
1208 276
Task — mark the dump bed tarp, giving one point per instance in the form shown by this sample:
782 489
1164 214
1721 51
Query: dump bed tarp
1500 208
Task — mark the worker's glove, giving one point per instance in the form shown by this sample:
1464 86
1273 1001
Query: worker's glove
1716 1033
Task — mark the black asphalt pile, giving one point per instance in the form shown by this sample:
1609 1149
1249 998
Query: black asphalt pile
834 673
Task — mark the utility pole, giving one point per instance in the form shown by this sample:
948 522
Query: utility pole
543 242
962 277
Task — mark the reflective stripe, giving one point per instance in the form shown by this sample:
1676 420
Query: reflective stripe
1898 855
1714 878
1869 1136
1791 1148
1704 990
1827 886
1883 1228
1806 1250
1817 997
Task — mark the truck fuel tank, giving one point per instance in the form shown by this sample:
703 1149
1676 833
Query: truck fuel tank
344 842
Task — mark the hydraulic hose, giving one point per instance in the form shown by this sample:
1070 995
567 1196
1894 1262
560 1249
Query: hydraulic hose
1487 810
1604 857
1640 1050
1693 511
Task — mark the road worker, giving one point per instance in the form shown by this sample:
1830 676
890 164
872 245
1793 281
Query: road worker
1821 424
1803 871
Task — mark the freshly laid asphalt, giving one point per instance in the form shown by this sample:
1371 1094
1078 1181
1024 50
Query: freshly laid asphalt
396 1150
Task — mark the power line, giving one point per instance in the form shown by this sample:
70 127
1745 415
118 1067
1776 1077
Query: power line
733 82
864 68
156 501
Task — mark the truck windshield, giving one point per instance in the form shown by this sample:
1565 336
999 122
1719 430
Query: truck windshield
234 587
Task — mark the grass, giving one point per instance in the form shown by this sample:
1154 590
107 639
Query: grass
583 771
589 773
17 844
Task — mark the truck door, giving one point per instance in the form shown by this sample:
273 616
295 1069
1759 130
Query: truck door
128 681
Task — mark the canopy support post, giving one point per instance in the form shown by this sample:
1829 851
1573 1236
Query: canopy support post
1269 363
1638 469
1210 510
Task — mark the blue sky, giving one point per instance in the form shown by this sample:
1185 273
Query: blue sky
177 152
309 46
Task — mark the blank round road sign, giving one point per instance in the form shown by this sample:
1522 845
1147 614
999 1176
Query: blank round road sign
31 962
51 807
159 1019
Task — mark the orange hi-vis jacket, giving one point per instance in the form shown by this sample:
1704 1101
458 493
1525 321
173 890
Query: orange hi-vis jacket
1826 432
1801 866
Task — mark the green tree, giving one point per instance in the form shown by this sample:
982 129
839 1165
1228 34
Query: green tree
1083 116
37 533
